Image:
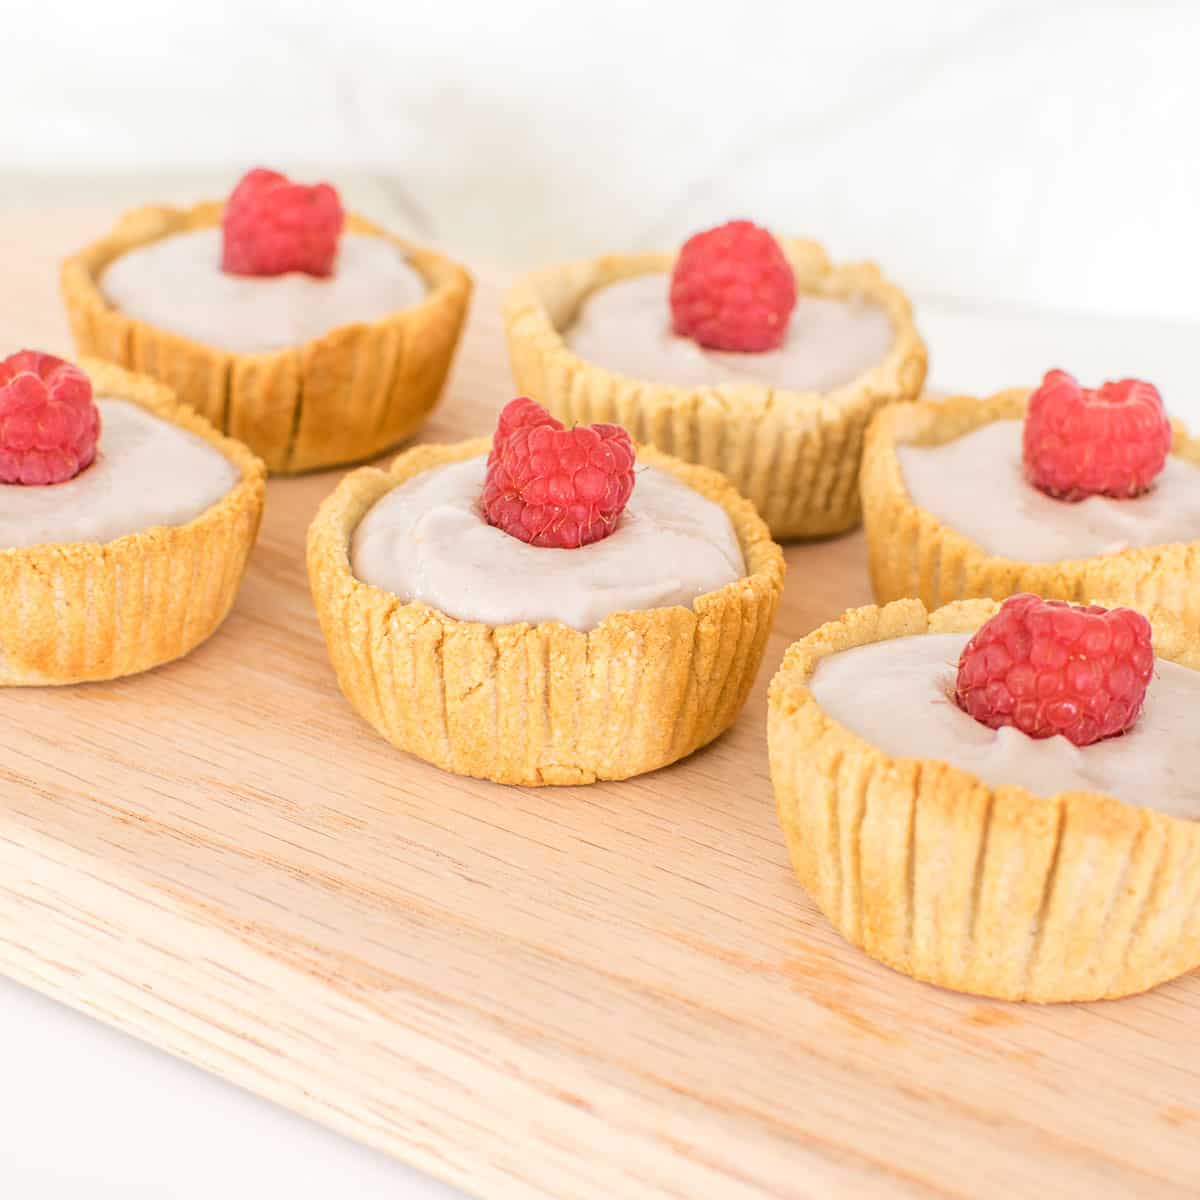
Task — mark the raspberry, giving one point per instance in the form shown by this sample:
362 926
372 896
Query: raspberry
272 226
551 486
1107 441
1048 667
49 424
732 288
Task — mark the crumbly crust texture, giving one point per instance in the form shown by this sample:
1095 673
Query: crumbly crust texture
913 553
795 455
993 891
72 612
541 704
349 395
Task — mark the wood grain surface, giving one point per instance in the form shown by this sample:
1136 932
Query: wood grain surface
611 991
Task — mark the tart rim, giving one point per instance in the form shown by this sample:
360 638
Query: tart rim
790 685
349 394
822 278
367 486
83 270
110 381
950 417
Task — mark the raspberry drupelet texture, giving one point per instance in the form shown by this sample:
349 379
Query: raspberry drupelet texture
49 423
1107 441
556 487
1048 667
521 413
733 289
272 226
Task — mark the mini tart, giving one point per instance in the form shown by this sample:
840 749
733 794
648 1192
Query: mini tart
795 455
79 611
913 553
994 891
541 704
349 395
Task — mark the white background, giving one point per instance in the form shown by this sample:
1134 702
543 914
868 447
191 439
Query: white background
1009 163
1038 154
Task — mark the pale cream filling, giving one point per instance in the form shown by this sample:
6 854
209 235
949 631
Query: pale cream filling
146 472
976 484
898 696
626 327
177 284
427 540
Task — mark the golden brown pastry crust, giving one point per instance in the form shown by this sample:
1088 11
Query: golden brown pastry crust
913 553
349 395
993 891
541 704
80 611
795 455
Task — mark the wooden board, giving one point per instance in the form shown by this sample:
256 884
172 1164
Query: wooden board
614 991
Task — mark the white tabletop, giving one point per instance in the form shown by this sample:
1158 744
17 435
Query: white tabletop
87 1112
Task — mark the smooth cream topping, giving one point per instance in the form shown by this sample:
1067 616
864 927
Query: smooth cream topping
626 327
146 472
898 695
176 283
427 540
976 484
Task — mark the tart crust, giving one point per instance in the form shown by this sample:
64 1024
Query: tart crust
78 611
348 395
994 891
913 553
795 455
541 704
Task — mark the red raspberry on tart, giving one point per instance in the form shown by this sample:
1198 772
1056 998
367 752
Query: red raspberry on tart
1107 441
272 226
733 288
551 486
1048 667
49 423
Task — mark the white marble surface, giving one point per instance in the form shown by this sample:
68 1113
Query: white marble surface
1033 154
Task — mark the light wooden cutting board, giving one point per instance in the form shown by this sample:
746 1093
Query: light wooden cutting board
613 991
